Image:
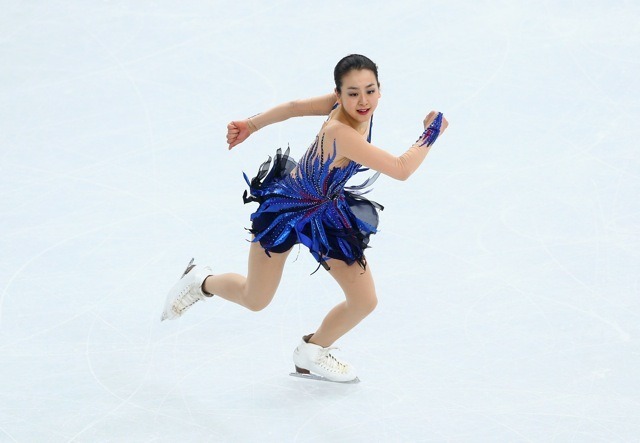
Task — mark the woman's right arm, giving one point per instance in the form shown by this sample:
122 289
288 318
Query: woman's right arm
239 130
296 108
350 144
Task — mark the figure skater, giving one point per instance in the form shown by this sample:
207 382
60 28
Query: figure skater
308 202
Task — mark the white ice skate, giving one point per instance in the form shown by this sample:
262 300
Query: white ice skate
186 292
317 363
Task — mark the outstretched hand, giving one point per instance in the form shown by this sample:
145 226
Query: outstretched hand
237 132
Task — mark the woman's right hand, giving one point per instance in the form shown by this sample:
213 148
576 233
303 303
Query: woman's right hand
237 132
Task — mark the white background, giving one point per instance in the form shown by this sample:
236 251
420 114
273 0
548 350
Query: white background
507 267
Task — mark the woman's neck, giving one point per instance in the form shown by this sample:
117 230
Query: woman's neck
345 118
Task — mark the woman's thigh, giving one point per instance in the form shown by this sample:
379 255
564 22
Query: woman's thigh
264 274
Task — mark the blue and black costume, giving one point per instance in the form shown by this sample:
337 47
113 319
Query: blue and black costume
309 203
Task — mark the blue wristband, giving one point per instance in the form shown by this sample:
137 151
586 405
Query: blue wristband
430 134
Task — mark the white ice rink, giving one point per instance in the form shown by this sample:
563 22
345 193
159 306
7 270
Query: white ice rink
507 267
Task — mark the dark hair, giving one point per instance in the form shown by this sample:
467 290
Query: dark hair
351 62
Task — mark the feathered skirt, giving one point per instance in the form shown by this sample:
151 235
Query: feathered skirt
313 207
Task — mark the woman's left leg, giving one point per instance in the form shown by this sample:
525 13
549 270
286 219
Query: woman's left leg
361 300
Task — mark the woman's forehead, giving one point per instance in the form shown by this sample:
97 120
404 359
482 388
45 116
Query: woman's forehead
361 78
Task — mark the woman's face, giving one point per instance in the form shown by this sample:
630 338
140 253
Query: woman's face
359 94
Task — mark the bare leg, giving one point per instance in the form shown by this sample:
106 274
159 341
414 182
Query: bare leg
256 290
360 292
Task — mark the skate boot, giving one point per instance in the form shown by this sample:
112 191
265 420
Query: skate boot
186 292
318 363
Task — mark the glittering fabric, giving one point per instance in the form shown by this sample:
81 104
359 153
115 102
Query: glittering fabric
309 203
430 134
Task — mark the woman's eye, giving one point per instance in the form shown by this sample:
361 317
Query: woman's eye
371 92
352 94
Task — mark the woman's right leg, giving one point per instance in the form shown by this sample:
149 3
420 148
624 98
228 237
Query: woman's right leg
256 290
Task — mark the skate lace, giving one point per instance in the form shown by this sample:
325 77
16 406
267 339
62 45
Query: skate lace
330 362
185 300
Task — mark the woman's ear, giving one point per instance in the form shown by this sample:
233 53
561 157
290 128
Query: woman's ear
335 91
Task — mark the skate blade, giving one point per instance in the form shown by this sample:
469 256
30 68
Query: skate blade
165 315
190 266
321 378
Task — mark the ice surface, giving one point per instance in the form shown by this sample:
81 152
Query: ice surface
507 267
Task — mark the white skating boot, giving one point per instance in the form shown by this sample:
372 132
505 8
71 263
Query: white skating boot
186 292
318 363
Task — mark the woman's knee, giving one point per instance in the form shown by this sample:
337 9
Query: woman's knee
371 304
257 301
256 307
364 304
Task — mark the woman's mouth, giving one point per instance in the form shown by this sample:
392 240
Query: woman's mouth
362 111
